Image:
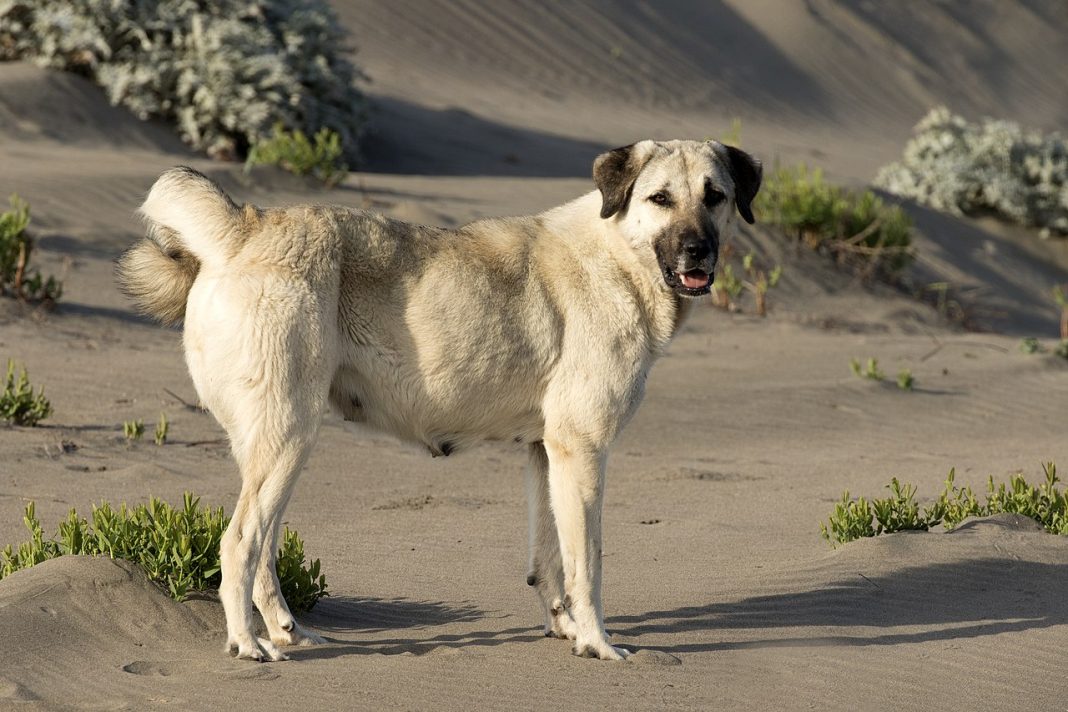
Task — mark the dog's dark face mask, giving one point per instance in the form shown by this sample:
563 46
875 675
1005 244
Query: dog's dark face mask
674 200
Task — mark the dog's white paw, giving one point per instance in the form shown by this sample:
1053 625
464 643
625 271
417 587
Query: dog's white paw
259 650
600 649
561 625
297 635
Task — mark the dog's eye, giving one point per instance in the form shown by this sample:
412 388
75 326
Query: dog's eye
713 197
660 198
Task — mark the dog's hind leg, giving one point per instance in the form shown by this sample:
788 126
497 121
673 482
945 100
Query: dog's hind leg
270 458
576 491
282 628
261 355
546 571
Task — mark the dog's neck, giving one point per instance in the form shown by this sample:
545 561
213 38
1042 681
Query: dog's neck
580 223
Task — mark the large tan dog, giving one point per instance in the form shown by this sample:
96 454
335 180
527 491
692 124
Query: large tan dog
538 329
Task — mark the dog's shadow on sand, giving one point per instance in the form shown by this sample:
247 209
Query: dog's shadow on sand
344 615
917 604
937 602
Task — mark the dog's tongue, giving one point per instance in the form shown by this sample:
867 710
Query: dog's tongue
694 279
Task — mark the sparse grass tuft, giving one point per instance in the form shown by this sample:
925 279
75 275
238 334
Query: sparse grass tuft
161 429
728 287
905 381
856 518
177 547
133 429
18 403
294 152
1061 349
857 228
870 370
17 278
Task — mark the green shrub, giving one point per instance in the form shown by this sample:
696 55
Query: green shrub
17 279
294 152
18 403
987 167
905 381
1030 345
223 71
857 228
856 518
177 547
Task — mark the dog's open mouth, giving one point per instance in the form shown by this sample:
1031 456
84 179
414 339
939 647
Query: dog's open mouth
691 283
695 279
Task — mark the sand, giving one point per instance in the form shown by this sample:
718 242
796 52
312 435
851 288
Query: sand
751 429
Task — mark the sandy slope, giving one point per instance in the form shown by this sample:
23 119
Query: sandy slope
751 428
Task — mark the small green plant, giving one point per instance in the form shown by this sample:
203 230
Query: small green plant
856 518
18 403
904 379
727 287
133 429
1061 349
1030 345
177 547
294 152
17 279
161 429
856 228
870 370
1060 296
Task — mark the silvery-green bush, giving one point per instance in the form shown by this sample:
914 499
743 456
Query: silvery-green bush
225 71
987 167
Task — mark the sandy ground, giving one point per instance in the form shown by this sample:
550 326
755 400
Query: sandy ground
714 568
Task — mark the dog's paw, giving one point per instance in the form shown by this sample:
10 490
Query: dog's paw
259 650
600 649
561 625
297 635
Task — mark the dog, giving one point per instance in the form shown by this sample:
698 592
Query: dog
539 330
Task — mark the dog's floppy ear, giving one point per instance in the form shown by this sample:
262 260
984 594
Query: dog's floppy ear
746 172
614 173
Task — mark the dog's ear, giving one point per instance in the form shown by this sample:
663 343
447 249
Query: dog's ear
614 173
746 172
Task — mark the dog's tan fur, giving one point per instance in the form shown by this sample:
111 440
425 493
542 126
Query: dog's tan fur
536 329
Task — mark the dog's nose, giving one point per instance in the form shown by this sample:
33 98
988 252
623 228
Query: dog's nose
696 246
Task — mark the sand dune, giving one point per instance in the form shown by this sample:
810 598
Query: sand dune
750 431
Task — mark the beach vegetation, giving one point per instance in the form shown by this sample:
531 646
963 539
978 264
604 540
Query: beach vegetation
18 278
162 429
989 167
857 228
178 547
19 404
755 278
320 157
224 72
856 518
870 370
133 429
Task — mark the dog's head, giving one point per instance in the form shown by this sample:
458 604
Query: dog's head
673 200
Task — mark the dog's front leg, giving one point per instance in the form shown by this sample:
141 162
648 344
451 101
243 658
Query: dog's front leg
576 492
546 572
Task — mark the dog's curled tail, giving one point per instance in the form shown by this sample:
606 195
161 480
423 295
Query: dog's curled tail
189 220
